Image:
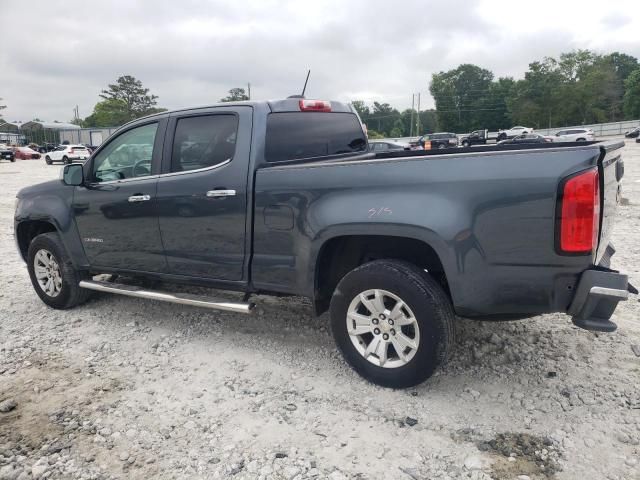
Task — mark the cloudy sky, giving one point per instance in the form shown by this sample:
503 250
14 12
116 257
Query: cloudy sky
58 54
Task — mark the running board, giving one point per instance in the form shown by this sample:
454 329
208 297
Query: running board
181 298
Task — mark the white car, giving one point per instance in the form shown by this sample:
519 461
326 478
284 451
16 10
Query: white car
575 135
513 132
67 154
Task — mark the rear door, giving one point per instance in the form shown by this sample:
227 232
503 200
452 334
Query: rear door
116 211
202 192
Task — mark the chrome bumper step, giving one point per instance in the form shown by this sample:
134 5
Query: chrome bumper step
180 298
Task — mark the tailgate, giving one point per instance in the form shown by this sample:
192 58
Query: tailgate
611 169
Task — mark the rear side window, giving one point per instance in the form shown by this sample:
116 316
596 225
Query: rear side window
203 142
296 135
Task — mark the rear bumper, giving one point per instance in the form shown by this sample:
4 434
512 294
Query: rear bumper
598 293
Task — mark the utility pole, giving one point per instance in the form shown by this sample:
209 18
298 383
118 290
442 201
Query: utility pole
413 101
249 90
418 117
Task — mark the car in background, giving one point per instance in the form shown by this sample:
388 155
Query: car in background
380 146
6 153
635 133
25 153
525 139
575 135
46 147
439 140
67 154
513 132
477 137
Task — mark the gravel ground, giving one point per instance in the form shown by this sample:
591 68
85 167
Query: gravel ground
128 388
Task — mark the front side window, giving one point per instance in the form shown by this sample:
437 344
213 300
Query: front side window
203 141
127 156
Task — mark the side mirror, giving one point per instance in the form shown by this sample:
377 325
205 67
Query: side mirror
72 174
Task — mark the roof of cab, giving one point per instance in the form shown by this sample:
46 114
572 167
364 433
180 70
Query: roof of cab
291 104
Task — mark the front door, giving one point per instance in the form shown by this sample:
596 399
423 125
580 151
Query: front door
117 210
202 192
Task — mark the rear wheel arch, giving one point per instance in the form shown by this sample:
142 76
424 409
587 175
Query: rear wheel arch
341 254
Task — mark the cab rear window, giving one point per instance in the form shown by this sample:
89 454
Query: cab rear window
297 135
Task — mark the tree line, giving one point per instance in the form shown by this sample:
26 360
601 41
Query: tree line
577 88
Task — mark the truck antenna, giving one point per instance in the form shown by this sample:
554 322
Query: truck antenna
305 83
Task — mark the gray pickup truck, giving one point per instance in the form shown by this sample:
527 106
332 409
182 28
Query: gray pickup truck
283 198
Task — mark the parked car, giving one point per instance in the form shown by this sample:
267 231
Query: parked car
575 135
46 147
6 153
25 153
439 140
67 154
513 132
380 146
526 138
635 133
384 243
477 137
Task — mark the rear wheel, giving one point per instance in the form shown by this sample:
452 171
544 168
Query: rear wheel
65 160
52 273
392 322
48 160
502 136
465 144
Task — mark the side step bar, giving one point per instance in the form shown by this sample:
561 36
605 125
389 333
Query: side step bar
181 298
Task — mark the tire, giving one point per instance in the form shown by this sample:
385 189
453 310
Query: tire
581 140
69 294
465 144
65 160
502 136
426 306
48 160
13 160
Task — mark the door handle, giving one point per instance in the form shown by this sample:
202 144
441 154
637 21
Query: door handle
221 193
139 198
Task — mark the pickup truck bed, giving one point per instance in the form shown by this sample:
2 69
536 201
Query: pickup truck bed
282 198
488 214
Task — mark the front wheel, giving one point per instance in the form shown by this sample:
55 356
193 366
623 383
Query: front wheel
465 144
392 322
48 160
52 273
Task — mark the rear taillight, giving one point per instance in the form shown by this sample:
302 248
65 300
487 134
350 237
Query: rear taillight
314 106
580 213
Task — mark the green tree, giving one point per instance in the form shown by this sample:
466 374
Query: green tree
632 95
361 108
463 97
108 113
235 95
130 98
